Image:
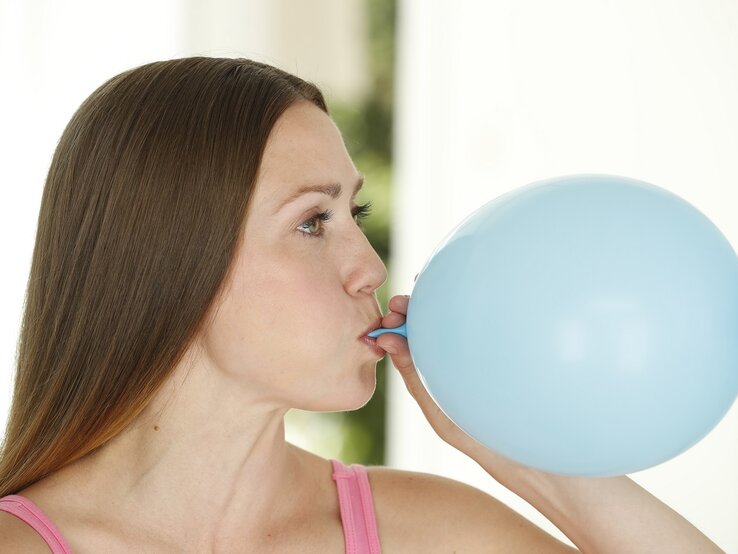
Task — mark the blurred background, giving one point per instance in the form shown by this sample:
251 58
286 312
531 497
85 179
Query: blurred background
443 106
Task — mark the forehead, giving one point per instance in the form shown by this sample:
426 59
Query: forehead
304 146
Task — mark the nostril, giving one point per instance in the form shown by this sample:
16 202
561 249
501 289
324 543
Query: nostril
416 277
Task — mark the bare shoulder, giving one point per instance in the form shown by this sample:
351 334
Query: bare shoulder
430 513
17 537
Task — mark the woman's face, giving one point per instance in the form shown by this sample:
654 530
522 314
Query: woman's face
303 289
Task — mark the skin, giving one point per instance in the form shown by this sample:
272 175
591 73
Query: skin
208 457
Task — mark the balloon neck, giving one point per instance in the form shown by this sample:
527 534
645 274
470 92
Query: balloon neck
401 330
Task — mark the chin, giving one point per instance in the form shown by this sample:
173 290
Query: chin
368 392
344 395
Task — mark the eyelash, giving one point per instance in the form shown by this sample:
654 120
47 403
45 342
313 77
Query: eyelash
361 212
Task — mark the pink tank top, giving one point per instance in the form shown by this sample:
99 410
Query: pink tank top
30 513
357 508
354 497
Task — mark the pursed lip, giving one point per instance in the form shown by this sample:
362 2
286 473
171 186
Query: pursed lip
376 324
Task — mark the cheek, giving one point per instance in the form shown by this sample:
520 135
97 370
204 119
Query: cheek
280 322
307 315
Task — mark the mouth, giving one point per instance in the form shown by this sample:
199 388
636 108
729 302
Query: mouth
376 324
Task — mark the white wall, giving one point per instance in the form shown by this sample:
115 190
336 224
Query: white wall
495 95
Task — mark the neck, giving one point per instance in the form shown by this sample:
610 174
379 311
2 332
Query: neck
209 469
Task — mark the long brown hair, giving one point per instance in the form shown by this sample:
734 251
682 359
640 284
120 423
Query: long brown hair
142 211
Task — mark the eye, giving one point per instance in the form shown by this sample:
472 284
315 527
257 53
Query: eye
361 212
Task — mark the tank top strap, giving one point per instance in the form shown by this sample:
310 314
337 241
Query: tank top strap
357 508
27 511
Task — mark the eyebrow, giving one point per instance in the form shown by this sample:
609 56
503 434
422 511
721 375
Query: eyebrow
332 189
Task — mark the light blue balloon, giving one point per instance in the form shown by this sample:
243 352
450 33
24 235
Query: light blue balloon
584 325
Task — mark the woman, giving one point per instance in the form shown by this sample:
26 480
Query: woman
186 292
